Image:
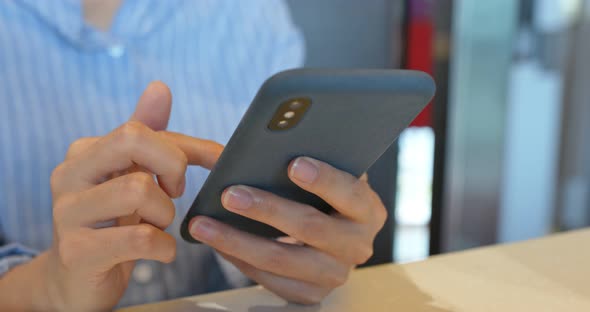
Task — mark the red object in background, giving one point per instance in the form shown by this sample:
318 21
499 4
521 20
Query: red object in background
419 44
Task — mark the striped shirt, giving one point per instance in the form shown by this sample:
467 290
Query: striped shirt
61 79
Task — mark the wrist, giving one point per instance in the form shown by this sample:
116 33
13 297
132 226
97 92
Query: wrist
44 290
40 284
47 294
24 288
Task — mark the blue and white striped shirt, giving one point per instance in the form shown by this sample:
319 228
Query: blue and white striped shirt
61 79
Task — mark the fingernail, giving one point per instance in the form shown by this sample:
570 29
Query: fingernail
304 170
203 229
237 197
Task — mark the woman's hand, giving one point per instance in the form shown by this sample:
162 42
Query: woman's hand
330 245
112 200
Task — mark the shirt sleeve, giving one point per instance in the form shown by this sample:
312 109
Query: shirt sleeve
12 255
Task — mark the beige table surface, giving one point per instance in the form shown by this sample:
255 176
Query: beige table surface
549 274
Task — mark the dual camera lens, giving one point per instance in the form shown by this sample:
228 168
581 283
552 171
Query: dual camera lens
289 114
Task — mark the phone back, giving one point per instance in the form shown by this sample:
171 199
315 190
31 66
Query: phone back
354 116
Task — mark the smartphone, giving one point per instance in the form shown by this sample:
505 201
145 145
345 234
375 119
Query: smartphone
346 118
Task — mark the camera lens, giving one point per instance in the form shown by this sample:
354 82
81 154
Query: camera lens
295 104
289 114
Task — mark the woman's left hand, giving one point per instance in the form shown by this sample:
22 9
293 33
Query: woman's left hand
332 245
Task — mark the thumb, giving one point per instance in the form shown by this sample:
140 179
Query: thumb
153 107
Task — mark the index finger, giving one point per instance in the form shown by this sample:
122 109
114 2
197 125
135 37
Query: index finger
129 145
199 152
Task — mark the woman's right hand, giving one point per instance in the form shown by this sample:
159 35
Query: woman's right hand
112 179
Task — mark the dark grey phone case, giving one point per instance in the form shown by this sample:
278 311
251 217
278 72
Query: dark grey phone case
354 116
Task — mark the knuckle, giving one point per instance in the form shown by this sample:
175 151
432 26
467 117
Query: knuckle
337 279
276 258
130 133
143 238
224 241
362 254
77 146
326 177
136 188
170 212
310 297
171 254
331 273
181 165
227 240
312 226
267 206
61 206
358 192
216 148
364 177
57 176
69 248
381 213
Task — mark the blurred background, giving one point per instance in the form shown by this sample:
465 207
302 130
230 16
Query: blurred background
502 153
